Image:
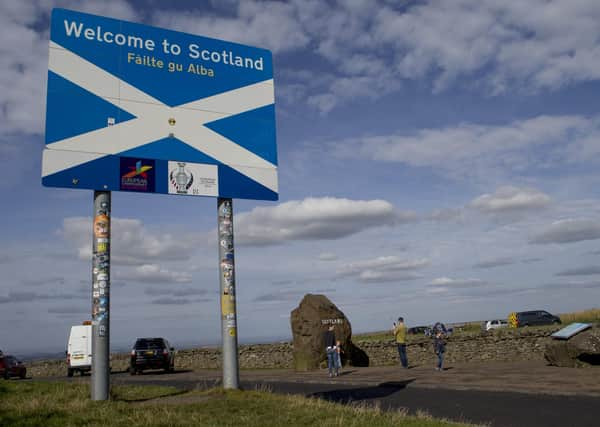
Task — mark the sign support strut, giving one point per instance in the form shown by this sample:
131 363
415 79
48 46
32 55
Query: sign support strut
228 305
100 383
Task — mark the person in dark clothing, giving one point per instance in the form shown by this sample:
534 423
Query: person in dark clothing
330 349
439 346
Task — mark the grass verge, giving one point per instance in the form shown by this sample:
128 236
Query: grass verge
62 404
585 316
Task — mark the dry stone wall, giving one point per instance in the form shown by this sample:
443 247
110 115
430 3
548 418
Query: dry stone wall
255 356
497 345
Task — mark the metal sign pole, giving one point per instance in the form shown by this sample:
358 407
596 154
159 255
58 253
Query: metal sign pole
100 384
227 280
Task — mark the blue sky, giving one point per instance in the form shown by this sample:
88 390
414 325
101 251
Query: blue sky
437 160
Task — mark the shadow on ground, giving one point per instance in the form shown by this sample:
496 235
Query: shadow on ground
169 394
160 372
363 393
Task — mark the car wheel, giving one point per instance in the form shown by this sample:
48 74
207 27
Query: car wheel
69 372
6 375
22 374
132 372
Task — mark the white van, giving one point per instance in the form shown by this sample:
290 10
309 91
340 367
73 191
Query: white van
79 349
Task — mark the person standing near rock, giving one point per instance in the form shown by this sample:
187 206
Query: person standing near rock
330 349
338 357
439 346
400 334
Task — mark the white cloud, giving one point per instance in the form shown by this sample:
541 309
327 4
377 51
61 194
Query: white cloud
448 283
327 256
385 263
374 47
23 62
131 242
323 102
505 41
482 150
568 231
370 49
511 199
324 218
372 276
383 269
24 58
272 25
152 273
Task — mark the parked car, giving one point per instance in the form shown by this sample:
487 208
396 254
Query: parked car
10 366
534 318
416 330
79 349
152 353
495 324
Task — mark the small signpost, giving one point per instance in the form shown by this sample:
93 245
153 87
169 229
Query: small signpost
142 109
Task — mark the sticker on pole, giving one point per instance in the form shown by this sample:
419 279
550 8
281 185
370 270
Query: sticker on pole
128 104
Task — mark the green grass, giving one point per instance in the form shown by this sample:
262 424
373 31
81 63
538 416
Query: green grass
374 336
67 404
470 327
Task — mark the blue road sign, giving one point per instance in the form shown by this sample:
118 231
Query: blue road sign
137 108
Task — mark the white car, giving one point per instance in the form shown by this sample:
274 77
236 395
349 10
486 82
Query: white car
495 324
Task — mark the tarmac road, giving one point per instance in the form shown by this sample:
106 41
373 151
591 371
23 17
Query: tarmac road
498 409
483 393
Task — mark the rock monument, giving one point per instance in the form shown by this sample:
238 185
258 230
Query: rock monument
309 321
580 350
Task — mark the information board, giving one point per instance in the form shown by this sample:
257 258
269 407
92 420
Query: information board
571 330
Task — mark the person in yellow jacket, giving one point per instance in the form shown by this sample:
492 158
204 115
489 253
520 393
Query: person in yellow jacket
400 335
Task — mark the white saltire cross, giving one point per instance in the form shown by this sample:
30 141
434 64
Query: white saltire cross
153 120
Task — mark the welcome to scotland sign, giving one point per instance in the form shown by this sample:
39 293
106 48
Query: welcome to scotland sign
137 108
